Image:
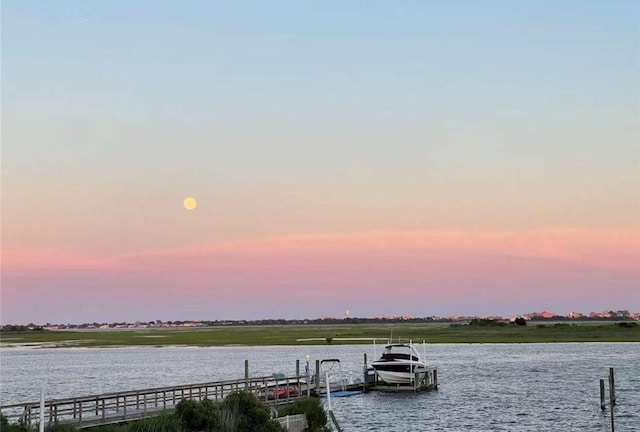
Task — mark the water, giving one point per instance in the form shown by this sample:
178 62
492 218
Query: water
483 387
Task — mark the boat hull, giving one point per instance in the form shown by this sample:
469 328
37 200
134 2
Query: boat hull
398 373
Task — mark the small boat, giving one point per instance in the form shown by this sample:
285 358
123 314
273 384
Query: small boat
344 393
332 375
284 392
399 364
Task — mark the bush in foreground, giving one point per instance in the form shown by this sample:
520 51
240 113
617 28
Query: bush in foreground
243 412
199 416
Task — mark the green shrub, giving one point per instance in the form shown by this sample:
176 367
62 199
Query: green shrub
61 428
243 412
627 324
5 426
520 321
114 427
165 422
486 322
198 416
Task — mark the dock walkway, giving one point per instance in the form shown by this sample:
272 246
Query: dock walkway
120 407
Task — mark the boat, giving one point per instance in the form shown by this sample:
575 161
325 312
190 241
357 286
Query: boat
399 364
339 383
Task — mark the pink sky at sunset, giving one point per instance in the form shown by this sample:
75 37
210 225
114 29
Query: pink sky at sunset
428 273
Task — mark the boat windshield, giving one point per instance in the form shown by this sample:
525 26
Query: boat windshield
400 349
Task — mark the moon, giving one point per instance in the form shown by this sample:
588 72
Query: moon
190 203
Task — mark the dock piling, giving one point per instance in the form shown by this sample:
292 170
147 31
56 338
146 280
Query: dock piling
364 374
307 376
41 427
612 397
612 387
246 374
602 402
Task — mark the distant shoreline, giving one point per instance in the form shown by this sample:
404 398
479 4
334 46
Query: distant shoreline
289 335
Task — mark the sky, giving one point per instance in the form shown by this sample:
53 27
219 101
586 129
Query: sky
383 157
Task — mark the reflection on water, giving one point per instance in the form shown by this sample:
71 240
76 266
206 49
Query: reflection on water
483 387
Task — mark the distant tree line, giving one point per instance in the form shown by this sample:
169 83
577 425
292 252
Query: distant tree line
613 316
20 328
317 321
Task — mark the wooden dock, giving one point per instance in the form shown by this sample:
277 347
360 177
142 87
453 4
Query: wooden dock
126 406
120 407
422 381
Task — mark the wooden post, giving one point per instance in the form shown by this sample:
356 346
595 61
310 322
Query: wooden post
435 379
287 389
246 374
364 381
308 379
41 426
611 398
335 421
328 391
602 403
612 387
318 376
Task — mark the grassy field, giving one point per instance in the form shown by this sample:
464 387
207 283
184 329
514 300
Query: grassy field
288 335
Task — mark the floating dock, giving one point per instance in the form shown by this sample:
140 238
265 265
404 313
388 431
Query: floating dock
423 381
427 380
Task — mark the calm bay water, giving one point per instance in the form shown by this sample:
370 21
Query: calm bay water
483 387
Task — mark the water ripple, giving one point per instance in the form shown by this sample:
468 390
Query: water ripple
483 387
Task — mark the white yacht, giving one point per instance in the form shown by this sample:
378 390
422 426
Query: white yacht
399 364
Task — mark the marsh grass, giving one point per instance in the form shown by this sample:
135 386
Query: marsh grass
288 335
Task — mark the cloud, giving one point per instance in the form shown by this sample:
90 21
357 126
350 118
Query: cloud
365 259
420 270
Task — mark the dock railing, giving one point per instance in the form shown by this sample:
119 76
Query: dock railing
136 404
297 422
